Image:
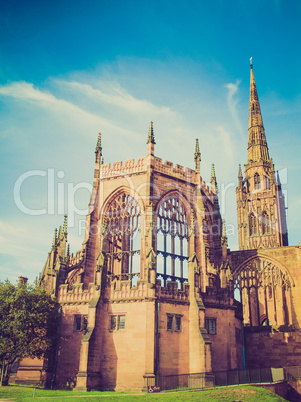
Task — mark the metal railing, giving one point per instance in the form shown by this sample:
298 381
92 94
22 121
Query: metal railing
247 376
292 373
224 378
198 380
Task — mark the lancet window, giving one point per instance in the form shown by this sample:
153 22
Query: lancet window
252 224
256 181
265 223
172 241
123 237
267 183
265 293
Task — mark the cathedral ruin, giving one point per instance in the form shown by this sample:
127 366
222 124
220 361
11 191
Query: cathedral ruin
155 290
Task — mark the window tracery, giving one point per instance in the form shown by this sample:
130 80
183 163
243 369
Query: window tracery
123 237
252 224
256 181
267 183
264 291
172 241
265 223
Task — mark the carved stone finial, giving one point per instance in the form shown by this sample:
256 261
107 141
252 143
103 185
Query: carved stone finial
65 226
197 156
239 172
251 63
98 145
54 238
197 153
240 177
213 179
151 137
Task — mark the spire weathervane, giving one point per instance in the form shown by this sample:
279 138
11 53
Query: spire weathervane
251 62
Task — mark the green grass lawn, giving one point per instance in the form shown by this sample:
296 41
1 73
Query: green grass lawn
227 394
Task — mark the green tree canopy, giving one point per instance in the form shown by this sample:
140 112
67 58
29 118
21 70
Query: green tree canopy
28 323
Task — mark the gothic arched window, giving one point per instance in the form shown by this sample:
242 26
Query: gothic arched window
172 241
123 237
256 181
264 290
252 224
267 183
265 223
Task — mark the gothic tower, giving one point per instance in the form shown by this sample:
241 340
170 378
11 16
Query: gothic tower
260 201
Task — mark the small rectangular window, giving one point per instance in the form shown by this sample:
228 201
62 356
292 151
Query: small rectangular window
113 322
210 324
117 322
178 323
77 322
169 322
121 322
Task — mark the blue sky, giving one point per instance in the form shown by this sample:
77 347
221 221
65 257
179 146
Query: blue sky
70 69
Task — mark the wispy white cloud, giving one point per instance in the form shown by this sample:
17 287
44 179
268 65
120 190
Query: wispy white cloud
28 93
72 109
68 111
113 94
232 101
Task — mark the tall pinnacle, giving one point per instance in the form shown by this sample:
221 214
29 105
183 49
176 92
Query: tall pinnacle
240 177
98 149
98 145
151 137
65 226
151 140
224 240
197 156
257 145
213 179
54 238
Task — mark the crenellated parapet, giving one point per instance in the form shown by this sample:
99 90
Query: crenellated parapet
130 167
171 293
178 171
128 293
76 295
74 260
221 298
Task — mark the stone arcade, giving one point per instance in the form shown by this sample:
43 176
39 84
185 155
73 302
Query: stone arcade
151 292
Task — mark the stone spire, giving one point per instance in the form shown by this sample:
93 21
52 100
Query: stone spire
213 180
197 156
150 140
98 150
257 145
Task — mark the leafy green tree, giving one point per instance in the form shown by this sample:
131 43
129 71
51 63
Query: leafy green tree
28 323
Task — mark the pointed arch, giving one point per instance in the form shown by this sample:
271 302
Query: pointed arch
172 214
256 181
122 237
252 224
265 223
264 288
267 183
